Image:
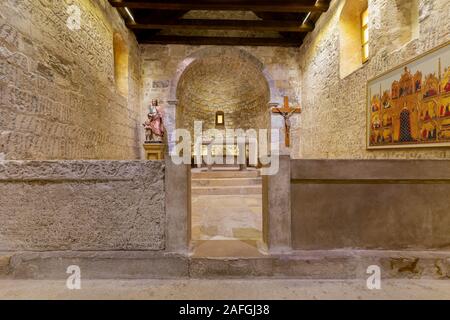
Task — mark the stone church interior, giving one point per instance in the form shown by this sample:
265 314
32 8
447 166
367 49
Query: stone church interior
216 149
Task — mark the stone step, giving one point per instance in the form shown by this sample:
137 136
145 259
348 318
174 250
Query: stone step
326 264
225 174
225 182
227 190
244 248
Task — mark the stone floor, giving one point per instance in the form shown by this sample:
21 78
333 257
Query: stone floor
225 289
226 213
226 217
226 205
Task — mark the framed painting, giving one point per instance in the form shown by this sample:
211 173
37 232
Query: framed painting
409 106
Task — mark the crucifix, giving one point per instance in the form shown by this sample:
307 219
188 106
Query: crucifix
287 113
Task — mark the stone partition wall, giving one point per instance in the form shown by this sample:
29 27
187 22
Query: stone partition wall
82 205
58 93
370 204
333 122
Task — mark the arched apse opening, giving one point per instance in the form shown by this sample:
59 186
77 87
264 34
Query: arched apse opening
120 64
228 84
227 80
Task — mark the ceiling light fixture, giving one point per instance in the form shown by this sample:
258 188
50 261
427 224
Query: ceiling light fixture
309 13
306 18
129 14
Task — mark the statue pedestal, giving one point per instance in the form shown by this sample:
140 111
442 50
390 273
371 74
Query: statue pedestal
154 151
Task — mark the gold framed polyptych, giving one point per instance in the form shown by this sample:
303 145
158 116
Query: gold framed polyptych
409 106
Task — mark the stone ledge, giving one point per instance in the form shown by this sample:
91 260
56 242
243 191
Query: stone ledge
333 264
99 265
370 170
79 170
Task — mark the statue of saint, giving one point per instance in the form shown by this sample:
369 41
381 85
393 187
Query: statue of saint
154 126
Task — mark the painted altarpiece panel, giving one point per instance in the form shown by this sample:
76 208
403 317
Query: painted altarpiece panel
409 106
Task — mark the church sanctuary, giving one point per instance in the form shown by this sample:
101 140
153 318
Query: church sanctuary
224 149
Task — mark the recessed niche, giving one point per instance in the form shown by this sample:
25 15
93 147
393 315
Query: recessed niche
351 36
121 64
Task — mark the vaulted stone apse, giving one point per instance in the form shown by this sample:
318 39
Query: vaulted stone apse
227 80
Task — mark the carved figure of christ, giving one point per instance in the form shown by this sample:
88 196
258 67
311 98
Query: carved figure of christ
286 112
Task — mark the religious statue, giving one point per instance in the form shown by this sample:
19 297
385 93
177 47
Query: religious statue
286 112
154 126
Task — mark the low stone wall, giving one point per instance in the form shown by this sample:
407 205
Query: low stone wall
82 205
370 204
310 264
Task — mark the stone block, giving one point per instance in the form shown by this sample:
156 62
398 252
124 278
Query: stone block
229 268
370 204
4 265
82 205
100 265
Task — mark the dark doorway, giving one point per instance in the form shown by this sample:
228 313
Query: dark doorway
405 126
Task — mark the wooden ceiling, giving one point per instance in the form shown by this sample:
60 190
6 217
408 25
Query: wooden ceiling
273 22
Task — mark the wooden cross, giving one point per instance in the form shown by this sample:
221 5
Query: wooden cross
287 112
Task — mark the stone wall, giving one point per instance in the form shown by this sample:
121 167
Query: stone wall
82 205
333 122
370 204
58 98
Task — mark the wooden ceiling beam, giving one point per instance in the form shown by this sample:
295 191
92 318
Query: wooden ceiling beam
255 5
205 24
226 41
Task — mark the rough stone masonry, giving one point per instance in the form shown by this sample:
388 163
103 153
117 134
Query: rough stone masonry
58 98
82 205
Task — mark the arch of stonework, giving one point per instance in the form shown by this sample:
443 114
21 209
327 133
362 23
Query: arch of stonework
241 74
210 52
220 79
228 82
